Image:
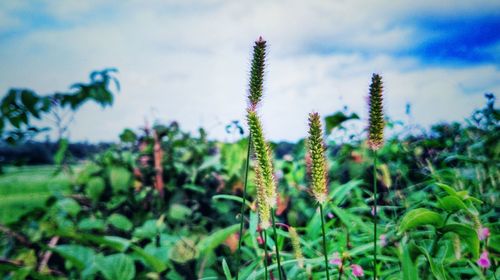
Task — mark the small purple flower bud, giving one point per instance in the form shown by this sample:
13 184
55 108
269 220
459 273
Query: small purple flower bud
484 261
357 270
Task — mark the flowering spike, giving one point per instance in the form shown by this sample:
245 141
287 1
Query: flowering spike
317 162
297 251
257 72
264 167
376 121
262 206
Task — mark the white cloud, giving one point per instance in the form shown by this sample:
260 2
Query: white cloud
190 63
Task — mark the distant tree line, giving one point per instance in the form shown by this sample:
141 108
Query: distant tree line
35 152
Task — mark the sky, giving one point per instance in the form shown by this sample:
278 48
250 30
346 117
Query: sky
189 60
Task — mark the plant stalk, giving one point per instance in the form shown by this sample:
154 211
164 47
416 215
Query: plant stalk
265 254
375 215
276 244
242 211
324 241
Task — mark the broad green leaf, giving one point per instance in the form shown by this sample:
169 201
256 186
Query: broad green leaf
337 119
118 266
149 229
446 188
437 268
179 212
120 222
94 188
216 238
79 256
128 136
466 234
410 271
91 223
226 270
69 206
420 217
157 264
120 179
451 204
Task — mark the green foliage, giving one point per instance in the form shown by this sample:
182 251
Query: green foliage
20 106
118 266
420 217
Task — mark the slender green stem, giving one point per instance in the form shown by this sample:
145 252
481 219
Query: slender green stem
242 211
276 244
324 241
265 254
375 215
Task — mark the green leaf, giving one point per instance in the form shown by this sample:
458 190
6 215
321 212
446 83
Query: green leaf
226 270
119 178
118 266
94 188
466 234
120 222
79 256
410 271
149 229
337 119
61 151
157 264
231 197
91 223
211 242
437 268
69 206
420 217
128 136
451 204
446 188
179 212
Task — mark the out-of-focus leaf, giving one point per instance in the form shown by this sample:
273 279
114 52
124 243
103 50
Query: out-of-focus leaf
94 188
451 204
120 222
215 239
79 256
337 119
466 234
420 217
118 266
409 269
120 179
226 270
157 264
179 212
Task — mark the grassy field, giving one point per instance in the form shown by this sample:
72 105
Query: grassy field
24 188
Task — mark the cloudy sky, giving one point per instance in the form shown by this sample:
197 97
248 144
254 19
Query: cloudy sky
189 60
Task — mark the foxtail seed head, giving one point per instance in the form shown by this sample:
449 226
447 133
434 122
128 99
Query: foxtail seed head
376 121
263 207
317 161
257 72
264 165
297 251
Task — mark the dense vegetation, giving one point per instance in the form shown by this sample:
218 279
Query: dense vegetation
164 204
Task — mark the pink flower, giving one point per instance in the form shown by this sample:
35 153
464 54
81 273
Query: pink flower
484 261
357 270
330 215
483 233
260 240
383 240
373 211
336 259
